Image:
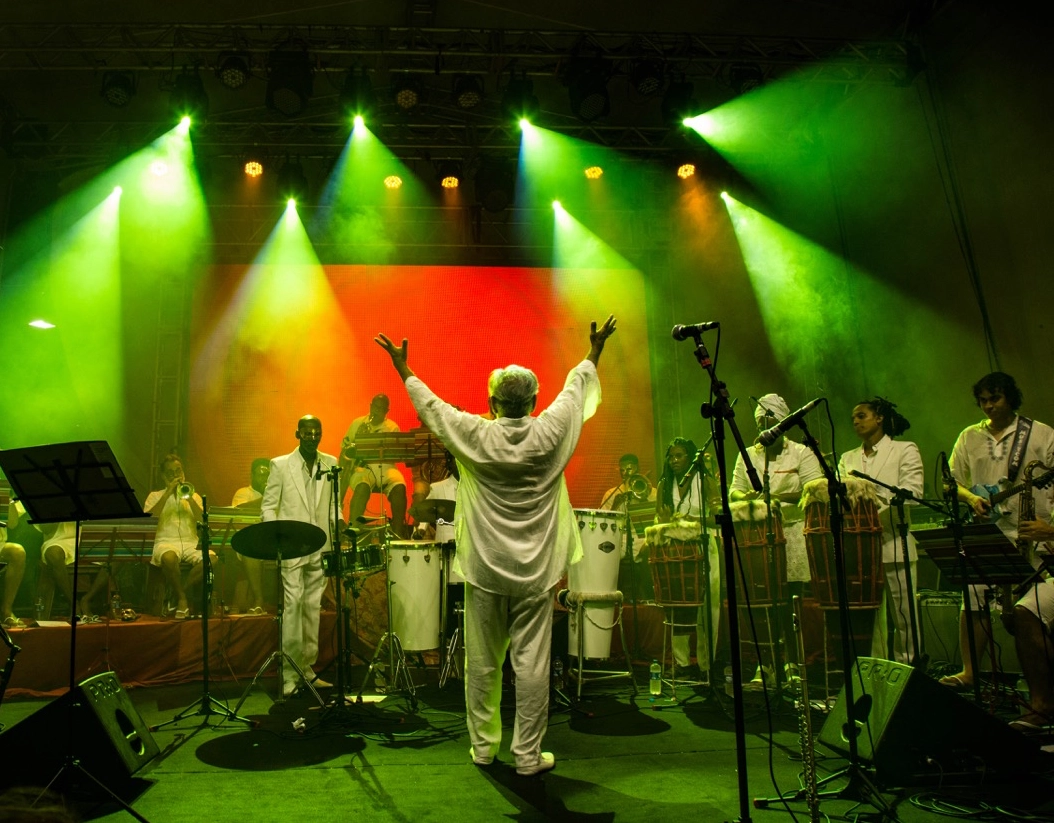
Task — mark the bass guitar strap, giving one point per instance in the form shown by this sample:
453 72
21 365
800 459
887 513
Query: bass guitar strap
1017 449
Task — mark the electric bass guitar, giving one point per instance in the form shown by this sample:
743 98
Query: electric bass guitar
997 494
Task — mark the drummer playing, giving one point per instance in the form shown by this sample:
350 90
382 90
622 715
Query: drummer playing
785 466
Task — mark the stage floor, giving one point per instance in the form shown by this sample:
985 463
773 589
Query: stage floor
618 759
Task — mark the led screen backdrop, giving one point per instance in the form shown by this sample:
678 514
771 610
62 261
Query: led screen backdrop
271 343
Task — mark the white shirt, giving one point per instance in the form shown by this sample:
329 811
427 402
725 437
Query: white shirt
515 526
176 525
789 471
978 458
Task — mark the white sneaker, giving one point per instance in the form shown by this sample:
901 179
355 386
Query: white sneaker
545 763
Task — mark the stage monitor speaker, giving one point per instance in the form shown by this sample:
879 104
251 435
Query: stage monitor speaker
916 732
110 739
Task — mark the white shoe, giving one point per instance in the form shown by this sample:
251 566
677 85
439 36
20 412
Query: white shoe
479 761
545 763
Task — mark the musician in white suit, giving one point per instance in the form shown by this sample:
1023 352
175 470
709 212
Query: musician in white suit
298 489
896 463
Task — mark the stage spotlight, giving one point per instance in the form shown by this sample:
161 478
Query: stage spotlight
290 204
358 122
449 174
496 184
253 168
118 88
518 101
188 95
41 324
407 91
291 181
724 196
233 68
557 206
646 77
289 79
587 87
686 170
594 173
678 103
468 91
393 181
744 77
117 190
159 168
183 129
357 96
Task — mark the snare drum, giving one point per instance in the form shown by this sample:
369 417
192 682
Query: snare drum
368 558
602 540
413 577
765 575
861 542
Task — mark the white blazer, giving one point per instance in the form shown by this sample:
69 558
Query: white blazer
285 497
898 463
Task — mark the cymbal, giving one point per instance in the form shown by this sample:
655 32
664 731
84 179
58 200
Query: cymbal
431 511
264 541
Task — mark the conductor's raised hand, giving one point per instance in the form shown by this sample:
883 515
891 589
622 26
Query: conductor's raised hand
397 353
598 337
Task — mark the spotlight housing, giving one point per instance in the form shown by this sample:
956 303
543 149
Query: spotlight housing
518 101
594 173
289 79
745 77
496 184
357 97
407 91
188 97
118 88
587 88
468 91
678 103
449 174
292 182
686 170
647 77
253 167
393 181
233 68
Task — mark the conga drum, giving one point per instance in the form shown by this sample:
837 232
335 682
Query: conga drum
602 540
677 563
861 542
764 571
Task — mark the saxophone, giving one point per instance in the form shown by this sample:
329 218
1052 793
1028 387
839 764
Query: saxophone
808 750
1027 511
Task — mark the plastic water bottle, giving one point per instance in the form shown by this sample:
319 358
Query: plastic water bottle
40 609
655 679
558 672
115 604
728 681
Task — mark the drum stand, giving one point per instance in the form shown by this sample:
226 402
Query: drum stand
396 666
455 649
280 656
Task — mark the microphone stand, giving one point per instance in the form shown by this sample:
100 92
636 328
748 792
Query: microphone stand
860 785
723 414
776 626
900 495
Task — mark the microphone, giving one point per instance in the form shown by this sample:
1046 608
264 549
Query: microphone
770 436
693 330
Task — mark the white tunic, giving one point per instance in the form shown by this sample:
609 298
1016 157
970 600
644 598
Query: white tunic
515 526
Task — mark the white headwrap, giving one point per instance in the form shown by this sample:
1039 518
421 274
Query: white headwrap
771 404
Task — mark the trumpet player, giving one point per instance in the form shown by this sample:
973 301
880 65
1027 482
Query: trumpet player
634 484
178 510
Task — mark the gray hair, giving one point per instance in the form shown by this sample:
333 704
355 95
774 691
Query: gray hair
513 389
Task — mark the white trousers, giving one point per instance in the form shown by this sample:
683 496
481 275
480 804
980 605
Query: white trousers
302 586
495 623
895 606
681 655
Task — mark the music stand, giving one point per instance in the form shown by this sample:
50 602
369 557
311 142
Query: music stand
991 559
72 482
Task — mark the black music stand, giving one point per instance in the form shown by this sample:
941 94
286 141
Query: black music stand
991 559
68 482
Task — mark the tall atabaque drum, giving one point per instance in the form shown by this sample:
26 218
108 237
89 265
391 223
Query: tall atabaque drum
861 541
676 560
602 540
764 572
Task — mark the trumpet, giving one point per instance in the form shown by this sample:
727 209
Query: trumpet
639 486
185 490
